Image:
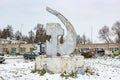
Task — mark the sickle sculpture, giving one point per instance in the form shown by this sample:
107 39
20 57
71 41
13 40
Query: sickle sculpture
70 39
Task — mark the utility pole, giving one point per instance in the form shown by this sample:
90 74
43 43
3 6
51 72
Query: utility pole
20 38
21 31
92 34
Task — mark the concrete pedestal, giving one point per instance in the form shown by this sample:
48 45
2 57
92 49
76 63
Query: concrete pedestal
60 64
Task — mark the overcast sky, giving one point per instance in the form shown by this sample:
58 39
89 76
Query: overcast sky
83 14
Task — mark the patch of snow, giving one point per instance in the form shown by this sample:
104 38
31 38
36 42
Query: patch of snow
20 69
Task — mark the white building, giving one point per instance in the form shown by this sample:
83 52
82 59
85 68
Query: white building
11 41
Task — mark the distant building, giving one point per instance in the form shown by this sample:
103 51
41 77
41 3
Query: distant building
18 48
11 41
8 45
17 42
4 41
100 45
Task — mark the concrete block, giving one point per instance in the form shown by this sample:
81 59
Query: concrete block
60 64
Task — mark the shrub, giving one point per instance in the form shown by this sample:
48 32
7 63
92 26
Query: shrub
73 74
88 55
42 72
89 71
66 75
116 52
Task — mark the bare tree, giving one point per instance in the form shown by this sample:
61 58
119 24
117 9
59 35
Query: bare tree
78 40
88 41
10 31
84 39
31 36
4 33
104 34
116 30
40 33
25 38
7 32
18 35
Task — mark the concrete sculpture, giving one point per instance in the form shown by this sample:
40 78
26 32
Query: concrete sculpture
63 63
69 41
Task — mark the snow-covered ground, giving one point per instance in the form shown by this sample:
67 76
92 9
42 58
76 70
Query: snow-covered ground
20 69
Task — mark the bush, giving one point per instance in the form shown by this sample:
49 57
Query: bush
73 74
66 75
88 55
116 52
89 71
42 72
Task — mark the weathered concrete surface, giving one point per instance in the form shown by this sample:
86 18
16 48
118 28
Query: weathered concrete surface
70 39
54 30
60 64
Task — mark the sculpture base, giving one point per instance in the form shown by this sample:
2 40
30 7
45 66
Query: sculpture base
59 64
